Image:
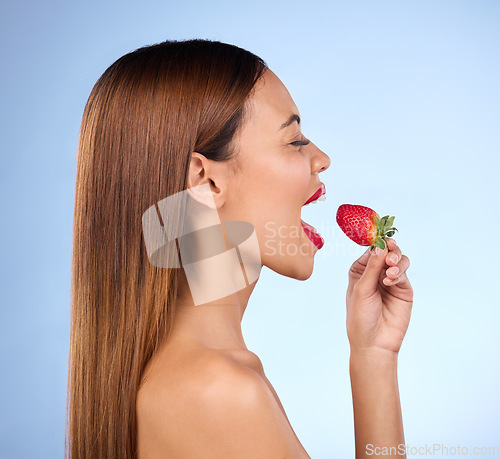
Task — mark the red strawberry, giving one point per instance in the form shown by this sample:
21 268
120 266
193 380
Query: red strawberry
364 226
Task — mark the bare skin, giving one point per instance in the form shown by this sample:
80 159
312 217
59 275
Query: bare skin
205 394
379 303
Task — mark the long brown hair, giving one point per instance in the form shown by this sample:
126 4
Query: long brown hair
145 115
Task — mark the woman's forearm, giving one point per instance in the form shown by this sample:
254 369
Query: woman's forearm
378 424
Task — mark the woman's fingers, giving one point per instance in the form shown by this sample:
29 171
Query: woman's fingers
375 265
400 268
394 255
398 280
397 262
395 273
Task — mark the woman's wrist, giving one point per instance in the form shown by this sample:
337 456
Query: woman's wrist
373 357
375 394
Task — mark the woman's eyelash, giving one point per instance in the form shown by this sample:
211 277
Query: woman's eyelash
299 143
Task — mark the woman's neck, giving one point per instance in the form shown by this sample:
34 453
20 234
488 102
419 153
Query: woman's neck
215 324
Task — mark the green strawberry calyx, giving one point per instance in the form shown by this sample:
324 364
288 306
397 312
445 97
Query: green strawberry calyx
384 229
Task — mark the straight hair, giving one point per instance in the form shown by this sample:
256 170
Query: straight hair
145 115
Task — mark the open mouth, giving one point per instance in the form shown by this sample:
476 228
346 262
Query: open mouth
310 230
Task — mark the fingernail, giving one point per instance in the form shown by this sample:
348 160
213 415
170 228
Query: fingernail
378 250
394 258
393 271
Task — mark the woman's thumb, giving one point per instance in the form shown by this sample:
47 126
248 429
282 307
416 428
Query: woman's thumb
368 282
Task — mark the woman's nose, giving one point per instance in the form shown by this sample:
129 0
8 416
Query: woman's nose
320 161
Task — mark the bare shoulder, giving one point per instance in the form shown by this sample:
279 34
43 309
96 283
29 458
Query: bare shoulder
213 407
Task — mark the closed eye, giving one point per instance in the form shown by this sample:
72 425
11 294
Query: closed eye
299 143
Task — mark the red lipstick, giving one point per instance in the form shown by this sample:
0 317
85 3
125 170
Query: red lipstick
320 192
312 234
310 230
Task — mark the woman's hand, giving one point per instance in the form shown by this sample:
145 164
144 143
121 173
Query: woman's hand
379 301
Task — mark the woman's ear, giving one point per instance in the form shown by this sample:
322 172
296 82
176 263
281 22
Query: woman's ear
203 171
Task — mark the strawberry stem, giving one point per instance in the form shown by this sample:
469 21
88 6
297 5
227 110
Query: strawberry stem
384 229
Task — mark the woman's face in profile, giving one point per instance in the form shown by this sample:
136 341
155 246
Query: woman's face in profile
275 178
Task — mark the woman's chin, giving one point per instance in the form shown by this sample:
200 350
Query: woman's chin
300 268
304 274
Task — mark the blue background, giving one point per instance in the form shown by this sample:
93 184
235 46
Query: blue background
402 95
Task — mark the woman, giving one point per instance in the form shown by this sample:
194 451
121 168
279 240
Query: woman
158 364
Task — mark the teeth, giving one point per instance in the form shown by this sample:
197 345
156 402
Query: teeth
321 198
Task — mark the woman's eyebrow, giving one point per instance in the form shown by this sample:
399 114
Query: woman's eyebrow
290 120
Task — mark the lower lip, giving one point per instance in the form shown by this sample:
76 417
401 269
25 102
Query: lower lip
312 234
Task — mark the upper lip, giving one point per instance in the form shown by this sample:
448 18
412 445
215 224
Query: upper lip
319 192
